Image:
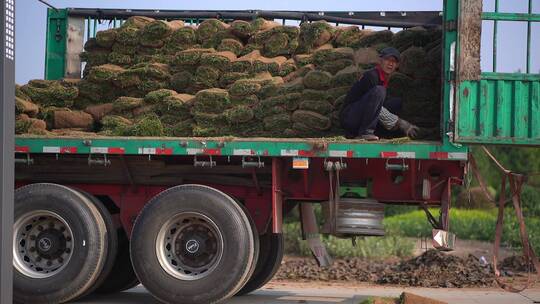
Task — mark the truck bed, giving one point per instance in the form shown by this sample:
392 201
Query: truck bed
233 146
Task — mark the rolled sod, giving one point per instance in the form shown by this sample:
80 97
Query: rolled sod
245 87
211 101
312 120
190 56
239 115
347 77
227 79
50 92
219 60
242 29
375 37
106 38
323 56
347 36
318 80
315 34
24 106
231 45
28 125
104 73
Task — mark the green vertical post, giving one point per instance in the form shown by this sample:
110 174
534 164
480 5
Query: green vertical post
87 28
449 41
495 25
55 47
95 28
529 40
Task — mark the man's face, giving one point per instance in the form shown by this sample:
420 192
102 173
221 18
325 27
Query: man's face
389 65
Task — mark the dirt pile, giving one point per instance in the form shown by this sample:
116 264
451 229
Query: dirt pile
241 78
431 269
437 269
515 264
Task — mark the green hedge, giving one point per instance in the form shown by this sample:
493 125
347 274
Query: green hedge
467 225
366 247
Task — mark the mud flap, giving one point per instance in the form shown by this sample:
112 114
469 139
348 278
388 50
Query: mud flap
310 232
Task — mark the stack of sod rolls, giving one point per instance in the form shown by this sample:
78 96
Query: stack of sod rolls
247 79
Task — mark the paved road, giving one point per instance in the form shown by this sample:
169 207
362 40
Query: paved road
280 293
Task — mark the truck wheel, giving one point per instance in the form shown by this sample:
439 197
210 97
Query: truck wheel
122 276
192 244
59 244
270 256
255 240
112 241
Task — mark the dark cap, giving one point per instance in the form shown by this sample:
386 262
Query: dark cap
390 52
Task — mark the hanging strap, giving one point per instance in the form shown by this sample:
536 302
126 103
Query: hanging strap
516 182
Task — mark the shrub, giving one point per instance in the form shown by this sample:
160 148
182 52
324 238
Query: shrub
467 225
366 247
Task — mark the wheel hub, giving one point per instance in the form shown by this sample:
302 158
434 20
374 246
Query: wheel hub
193 246
189 246
43 244
50 244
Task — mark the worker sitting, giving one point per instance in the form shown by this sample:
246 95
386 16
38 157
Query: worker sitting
366 105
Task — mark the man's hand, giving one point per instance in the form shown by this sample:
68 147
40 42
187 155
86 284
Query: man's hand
408 128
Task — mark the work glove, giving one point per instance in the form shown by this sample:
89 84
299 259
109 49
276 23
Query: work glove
407 128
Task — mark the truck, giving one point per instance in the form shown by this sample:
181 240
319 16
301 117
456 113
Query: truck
199 220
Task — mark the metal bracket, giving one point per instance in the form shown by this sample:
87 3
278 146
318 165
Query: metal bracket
335 166
248 163
204 164
27 161
450 26
396 167
100 162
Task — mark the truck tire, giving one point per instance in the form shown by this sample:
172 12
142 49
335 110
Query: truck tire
112 241
60 244
270 256
255 240
122 276
192 244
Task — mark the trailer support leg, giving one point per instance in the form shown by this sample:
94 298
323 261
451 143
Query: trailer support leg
443 239
310 232
277 196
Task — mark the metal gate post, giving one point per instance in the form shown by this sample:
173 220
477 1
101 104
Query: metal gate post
7 138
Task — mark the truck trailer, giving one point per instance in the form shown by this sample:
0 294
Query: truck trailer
199 219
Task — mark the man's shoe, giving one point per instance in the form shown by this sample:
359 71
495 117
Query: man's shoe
368 137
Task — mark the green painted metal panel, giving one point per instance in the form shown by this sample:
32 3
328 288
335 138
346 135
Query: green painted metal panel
229 147
496 111
500 108
55 50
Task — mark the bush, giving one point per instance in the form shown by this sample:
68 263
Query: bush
467 225
530 198
391 210
366 247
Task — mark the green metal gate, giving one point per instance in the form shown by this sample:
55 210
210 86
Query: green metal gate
493 107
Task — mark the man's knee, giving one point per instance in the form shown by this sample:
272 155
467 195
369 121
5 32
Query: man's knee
378 94
380 91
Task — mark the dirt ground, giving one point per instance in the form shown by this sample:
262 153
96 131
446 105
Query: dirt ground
468 266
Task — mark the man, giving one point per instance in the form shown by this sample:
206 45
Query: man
364 107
